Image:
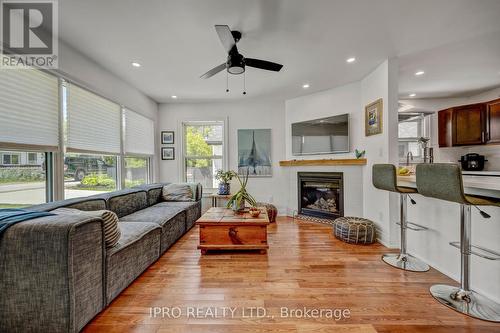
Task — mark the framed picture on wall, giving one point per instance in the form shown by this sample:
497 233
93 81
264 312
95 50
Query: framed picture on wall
167 137
168 153
254 152
373 118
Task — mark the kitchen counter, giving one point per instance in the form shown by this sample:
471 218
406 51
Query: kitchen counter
487 185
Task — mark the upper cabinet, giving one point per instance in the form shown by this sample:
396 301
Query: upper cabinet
466 125
469 123
493 117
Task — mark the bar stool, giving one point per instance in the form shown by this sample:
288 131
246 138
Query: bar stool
384 177
444 181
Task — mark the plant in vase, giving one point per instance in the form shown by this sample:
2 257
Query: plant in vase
237 201
224 177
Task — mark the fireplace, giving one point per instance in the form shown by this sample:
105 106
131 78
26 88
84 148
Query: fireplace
321 194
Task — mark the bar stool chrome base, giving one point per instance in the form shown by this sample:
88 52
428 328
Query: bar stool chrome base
405 262
467 302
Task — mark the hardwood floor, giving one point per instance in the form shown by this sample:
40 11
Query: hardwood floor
305 267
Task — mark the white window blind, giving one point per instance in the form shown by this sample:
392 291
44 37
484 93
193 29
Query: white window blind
29 108
93 122
139 134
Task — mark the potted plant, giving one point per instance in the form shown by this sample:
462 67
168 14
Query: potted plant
224 177
237 201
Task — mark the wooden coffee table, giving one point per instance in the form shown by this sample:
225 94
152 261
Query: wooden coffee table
222 229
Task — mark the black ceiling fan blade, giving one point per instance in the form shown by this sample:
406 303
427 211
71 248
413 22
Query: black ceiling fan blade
214 71
226 37
263 64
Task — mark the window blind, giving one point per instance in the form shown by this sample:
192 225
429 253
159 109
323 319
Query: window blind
139 134
29 108
94 123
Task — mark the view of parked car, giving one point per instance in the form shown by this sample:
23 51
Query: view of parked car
77 167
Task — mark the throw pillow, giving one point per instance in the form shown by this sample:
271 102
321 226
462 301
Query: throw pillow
112 232
177 192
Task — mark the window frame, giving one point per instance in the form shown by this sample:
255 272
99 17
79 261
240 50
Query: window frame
149 167
200 122
425 131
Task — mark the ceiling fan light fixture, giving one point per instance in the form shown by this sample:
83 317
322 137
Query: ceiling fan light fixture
236 69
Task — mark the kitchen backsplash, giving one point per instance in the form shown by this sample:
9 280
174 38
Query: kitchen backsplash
492 154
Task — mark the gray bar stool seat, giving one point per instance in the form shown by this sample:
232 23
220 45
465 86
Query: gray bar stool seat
384 177
444 181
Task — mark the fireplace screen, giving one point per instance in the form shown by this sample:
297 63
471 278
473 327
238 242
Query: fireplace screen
321 194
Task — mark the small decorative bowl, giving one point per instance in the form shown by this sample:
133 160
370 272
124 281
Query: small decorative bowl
254 212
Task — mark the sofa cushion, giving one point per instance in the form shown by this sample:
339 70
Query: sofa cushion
153 192
110 227
90 203
193 210
126 202
137 249
179 192
171 219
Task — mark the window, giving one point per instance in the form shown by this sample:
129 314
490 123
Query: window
21 184
203 151
411 127
10 159
86 174
32 158
136 171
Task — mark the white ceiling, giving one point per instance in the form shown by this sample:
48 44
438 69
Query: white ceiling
175 42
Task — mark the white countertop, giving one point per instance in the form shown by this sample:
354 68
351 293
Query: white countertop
487 185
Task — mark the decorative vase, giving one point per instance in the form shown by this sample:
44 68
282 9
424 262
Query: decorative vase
224 188
237 208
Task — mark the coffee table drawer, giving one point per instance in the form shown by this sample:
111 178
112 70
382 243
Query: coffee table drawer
233 235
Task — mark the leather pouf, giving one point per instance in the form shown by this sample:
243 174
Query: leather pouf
271 209
355 230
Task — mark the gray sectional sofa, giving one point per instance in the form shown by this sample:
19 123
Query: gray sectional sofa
56 273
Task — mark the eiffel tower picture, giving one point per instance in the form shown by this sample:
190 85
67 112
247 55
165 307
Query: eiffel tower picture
254 152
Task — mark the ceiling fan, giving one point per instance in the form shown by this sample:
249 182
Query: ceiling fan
236 62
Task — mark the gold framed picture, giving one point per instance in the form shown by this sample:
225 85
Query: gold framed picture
373 117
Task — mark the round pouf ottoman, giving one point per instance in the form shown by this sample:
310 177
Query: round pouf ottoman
271 209
354 230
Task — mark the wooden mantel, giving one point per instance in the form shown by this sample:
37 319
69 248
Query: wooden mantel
340 161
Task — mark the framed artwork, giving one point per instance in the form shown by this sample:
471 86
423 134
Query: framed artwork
167 137
254 152
373 118
168 153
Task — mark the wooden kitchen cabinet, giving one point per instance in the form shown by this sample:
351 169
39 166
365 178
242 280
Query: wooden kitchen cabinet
469 124
493 119
445 128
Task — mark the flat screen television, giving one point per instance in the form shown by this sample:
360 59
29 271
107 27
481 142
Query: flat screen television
321 136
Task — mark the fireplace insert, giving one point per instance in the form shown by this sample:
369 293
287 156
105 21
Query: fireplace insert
321 194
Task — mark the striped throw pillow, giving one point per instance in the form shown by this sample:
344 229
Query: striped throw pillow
112 233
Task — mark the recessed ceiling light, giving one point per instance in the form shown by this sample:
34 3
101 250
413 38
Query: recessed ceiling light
419 73
412 95
174 96
305 86
349 60
136 64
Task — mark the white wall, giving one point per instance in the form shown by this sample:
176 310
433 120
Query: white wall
93 76
380 206
240 115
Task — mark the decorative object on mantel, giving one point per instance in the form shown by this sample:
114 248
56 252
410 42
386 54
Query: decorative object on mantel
254 152
354 230
167 137
224 177
237 201
373 118
339 161
168 153
359 154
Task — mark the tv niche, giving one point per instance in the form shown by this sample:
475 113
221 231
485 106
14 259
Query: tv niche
321 136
